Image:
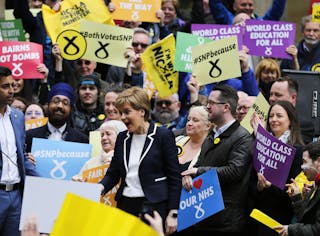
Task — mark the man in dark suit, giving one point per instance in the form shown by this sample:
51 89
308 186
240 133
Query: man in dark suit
61 99
228 150
13 163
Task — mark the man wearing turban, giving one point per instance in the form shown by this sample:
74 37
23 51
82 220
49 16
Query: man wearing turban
61 100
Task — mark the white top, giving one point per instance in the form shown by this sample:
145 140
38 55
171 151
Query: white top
56 134
133 188
10 173
223 128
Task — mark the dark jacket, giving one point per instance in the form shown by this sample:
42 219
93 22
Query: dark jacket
158 171
308 61
231 157
87 121
70 134
308 215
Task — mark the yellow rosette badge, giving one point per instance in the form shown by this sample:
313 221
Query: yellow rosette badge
101 117
180 150
216 140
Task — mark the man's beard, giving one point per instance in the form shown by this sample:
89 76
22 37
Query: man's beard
312 42
57 121
165 117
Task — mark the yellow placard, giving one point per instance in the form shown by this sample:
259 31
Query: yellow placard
141 10
106 43
82 217
261 107
158 60
316 12
216 61
94 175
264 219
95 141
35 123
71 13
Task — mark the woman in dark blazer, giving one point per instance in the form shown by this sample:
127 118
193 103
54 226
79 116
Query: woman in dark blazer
145 161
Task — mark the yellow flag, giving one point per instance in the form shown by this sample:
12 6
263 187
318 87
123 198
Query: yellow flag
158 60
82 217
71 13
316 12
264 219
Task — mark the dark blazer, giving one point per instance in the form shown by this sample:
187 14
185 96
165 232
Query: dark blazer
70 134
158 171
308 215
231 157
24 165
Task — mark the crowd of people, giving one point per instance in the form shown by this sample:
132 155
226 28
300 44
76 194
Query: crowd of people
154 145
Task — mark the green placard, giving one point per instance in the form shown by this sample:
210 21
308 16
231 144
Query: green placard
183 57
12 30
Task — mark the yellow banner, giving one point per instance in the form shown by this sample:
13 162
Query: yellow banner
264 219
106 43
71 13
142 10
82 217
216 61
316 12
35 123
158 60
261 107
96 174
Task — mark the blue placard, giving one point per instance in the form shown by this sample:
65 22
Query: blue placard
59 159
204 200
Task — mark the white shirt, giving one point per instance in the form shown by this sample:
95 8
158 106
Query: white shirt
10 172
223 128
56 134
133 188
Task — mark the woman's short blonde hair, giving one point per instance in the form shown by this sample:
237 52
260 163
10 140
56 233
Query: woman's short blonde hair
174 2
267 64
202 111
137 98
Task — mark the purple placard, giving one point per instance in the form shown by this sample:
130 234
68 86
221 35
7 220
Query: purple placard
272 158
269 38
217 32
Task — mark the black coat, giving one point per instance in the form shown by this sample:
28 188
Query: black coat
232 158
308 215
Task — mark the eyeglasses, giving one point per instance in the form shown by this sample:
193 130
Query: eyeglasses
57 100
165 102
86 62
143 45
36 113
244 108
211 103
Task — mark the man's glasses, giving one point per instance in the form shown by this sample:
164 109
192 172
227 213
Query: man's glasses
86 62
57 100
142 45
244 108
165 102
211 103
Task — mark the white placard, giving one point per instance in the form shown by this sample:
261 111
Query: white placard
43 198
